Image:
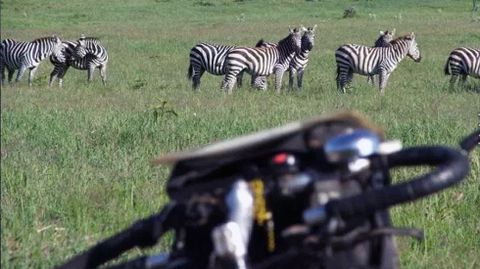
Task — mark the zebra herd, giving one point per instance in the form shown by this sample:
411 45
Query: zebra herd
291 53
86 53
266 58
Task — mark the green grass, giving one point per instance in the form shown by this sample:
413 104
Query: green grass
76 161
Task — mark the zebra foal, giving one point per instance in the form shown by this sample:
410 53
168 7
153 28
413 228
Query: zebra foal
463 62
372 61
16 55
262 61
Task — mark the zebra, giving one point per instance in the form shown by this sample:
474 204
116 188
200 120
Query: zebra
463 62
370 61
300 61
260 61
88 55
27 55
61 65
207 57
383 40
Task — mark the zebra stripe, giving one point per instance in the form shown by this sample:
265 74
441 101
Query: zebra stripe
300 61
26 55
463 62
371 61
383 40
261 61
207 57
88 55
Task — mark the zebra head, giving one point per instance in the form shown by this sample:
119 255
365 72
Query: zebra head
413 51
295 39
80 50
308 38
58 47
386 36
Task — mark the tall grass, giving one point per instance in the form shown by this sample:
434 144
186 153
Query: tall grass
76 161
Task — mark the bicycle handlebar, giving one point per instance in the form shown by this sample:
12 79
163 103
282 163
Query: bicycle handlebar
452 167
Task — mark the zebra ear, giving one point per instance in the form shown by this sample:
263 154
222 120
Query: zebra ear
290 30
393 32
412 35
314 27
381 33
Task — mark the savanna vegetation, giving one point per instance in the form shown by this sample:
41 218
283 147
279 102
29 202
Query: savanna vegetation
75 161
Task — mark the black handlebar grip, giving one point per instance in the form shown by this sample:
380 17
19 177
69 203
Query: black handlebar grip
452 167
471 141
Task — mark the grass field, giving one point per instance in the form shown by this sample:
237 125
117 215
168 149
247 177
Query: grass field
76 161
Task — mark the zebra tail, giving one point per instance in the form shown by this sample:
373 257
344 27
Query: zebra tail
190 72
260 43
447 67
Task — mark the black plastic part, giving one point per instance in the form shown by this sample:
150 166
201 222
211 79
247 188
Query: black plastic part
139 263
471 141
452 167
143 233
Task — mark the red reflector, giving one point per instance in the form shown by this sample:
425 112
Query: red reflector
280 158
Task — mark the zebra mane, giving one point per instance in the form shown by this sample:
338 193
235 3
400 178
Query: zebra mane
286 38
401 38
46 38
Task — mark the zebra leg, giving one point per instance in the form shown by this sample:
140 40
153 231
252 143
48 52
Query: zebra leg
31 75
103 74
229 81
61 75
291 77
342 79
90 71
300 78
20 73
349 78
260 82
2 73
463 79
10 74
383 81
197 75
53 75
371 80
453 79
240 79
278 79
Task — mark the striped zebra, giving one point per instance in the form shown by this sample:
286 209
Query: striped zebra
261 62
207 57
383 40
26 55
300 61
88 55
211 58
463 62
371 61
61 65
